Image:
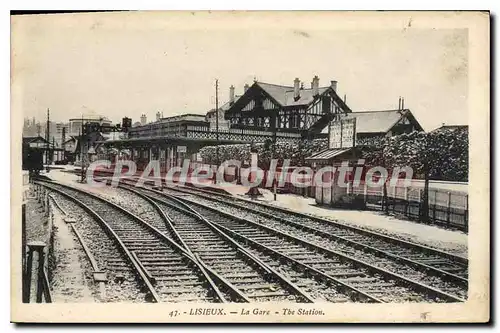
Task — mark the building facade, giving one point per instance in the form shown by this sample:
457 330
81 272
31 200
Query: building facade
371 126
75 124
286 109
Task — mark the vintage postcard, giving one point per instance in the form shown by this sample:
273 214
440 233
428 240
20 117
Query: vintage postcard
250 167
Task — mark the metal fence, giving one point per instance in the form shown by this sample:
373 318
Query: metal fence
447 208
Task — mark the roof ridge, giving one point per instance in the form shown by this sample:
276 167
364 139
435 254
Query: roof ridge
368 111
308 88
273 84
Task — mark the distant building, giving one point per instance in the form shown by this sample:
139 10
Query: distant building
31 128
75 124
169 126
364 128
223 124
70 144
60 129
445 127
77 147
48 151
373 125
37 142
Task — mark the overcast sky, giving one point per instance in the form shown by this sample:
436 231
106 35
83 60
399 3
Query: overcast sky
125 65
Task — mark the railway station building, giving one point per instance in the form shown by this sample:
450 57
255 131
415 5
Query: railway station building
263 112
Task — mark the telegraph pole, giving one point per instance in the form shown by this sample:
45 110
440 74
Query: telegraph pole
47 137
274 153
63 139
53 145
216 128
81 153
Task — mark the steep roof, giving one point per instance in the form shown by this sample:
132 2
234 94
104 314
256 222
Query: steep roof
285 94
29 139
444 127
276 91
377 121
306 96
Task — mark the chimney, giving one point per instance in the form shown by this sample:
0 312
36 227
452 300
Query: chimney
158 116
143 119
333 84
245 87
296 89
315 86
231 95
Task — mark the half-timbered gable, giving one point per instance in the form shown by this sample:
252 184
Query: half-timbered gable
288 108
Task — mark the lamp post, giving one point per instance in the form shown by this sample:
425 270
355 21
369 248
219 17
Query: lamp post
216 129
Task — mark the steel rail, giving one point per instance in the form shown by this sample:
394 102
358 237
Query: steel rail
433 292
256 261
229 287
86 249
422 267
88 253
404 243
212 285
110 231
353 292
390 239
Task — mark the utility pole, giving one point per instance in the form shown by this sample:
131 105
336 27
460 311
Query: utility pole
63 139
274 153
81 152
47 137
216 128
53 145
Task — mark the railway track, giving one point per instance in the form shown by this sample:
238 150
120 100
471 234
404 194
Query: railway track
378 283
120 285
167 271
227 257
255 280
433 267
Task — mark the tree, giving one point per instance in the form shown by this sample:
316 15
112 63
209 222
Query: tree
439 155
296 152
